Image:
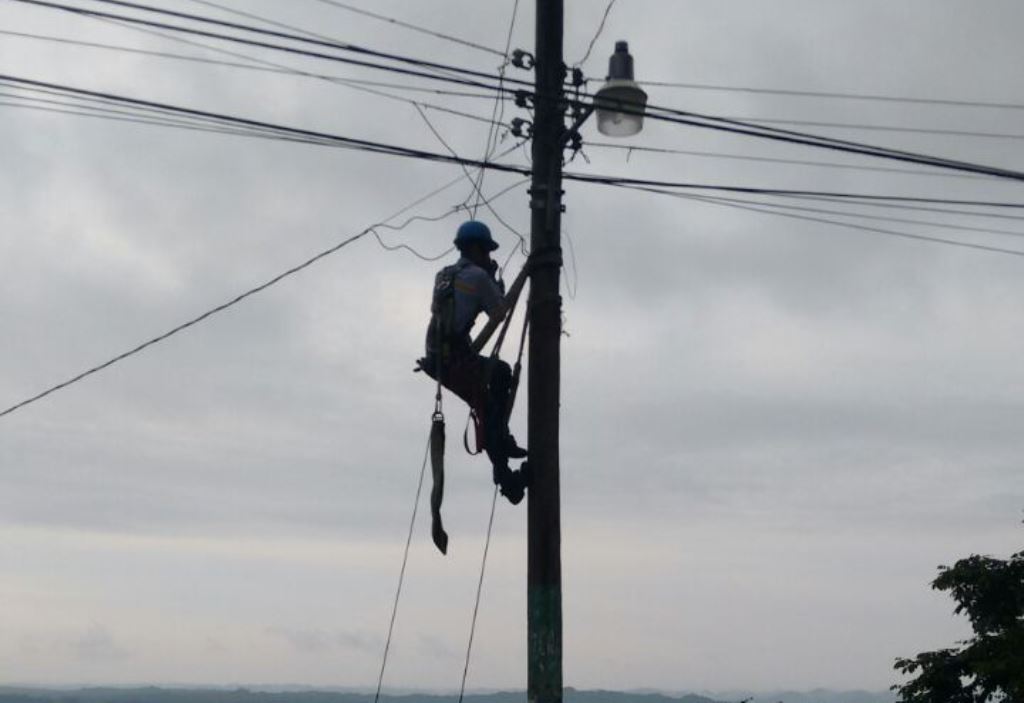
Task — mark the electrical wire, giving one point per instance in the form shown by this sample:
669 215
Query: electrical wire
883 128
483 166
394 150
265 66
834 95
265 20
496 120
479 591
242 296
600 30
629 149
766 209
917 208
311 40
401 572
361 86
654 112
877 218
413 27
732 126
261 44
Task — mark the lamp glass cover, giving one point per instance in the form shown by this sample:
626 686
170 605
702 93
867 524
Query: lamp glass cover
615 96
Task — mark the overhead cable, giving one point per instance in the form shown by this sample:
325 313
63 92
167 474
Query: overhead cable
299 38
264 66
630 149
430 75
239 298
767 209
491 145
733 126
883 128
379 147
413 27
597 34
876 218
835 95
652 111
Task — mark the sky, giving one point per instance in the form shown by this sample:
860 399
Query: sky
773 430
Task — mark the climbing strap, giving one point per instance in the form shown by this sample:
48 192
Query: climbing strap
437 532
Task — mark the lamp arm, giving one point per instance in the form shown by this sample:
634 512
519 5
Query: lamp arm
585 112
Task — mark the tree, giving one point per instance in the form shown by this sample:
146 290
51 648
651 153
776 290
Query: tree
988 667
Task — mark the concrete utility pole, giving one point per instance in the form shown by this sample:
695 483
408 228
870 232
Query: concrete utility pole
544 570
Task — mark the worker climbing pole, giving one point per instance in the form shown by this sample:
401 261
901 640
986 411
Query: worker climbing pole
462 291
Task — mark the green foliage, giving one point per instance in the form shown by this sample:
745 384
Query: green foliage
988 667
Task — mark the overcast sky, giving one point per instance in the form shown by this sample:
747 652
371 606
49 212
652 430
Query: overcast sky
773 430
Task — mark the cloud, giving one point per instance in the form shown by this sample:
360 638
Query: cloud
97 644
315 641
748 402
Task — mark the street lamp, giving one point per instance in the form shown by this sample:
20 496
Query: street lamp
620 101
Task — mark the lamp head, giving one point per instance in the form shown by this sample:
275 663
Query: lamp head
620 102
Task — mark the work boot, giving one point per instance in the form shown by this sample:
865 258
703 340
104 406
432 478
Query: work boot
512 448
510 483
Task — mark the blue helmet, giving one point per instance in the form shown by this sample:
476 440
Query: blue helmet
475 232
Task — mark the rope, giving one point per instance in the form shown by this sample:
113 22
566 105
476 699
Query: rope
479 590
401 573
494 500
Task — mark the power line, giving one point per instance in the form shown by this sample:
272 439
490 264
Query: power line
242 296
613 180
100 113
492 133
479 592
379 147
259 18
184 326
877 218
765 209
597 34
352 84
261 44
883 128
413 27
401 572
266 66
733 126
312 40
654 112
834 95
918 208
765 159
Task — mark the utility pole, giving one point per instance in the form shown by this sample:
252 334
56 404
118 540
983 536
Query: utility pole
544 538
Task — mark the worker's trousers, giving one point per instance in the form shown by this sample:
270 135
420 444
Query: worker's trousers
484 383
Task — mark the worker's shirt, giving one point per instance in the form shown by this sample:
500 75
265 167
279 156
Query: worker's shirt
474 292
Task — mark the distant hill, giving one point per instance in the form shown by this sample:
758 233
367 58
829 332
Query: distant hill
244 695
817 696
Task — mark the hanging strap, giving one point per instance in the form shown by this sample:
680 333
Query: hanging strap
437 532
